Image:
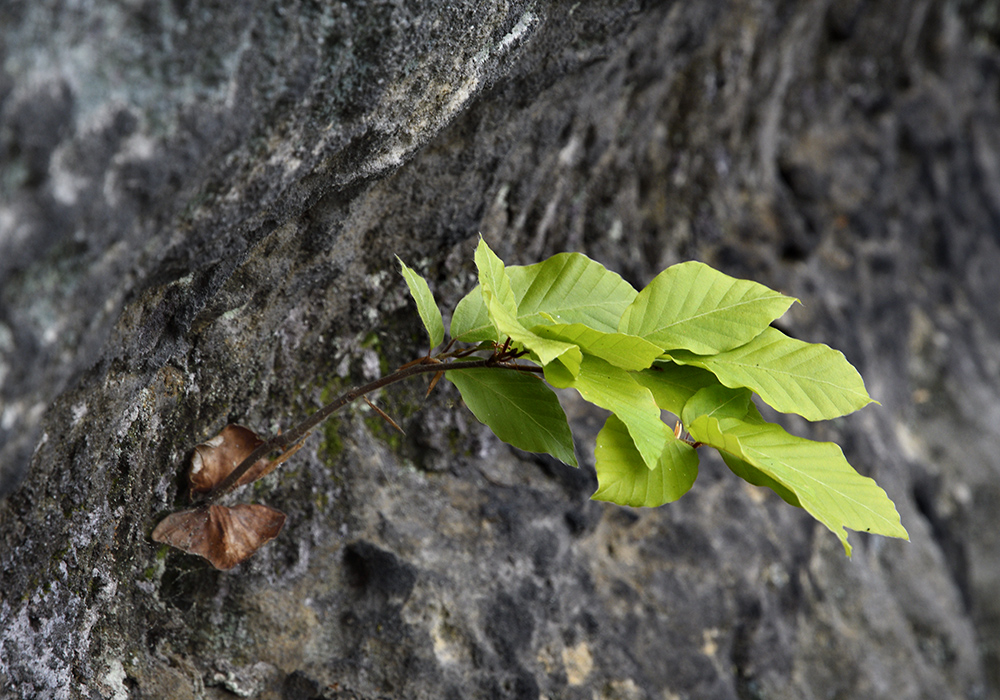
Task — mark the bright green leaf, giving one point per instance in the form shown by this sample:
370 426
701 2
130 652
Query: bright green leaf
623 478
752 474
694 307
673 385
626 351
494 283
519 408
502 310
721 402
470 322
817 473
755 476
426 306
566 288
571 288
616 390
810 379
717 401
544 350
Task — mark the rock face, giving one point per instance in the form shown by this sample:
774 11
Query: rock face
199 210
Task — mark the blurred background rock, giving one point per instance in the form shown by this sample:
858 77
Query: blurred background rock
199 207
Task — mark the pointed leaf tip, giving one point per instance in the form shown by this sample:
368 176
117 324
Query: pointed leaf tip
427 307
617 390
790 375
816 474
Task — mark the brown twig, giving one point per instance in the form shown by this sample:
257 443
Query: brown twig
504 359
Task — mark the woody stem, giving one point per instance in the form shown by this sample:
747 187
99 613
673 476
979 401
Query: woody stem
283 441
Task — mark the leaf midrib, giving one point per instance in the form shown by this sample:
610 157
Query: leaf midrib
487 387
758 453
716 310
770 370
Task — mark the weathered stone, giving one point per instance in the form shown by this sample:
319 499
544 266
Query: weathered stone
199 209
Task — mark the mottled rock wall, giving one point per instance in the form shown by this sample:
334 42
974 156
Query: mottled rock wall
199 208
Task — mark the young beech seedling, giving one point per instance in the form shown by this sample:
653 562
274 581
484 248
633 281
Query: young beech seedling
694 342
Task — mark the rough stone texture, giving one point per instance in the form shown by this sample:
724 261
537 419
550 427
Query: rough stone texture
199 207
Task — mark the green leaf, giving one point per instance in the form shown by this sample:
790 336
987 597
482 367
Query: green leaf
568 287
544 350
810 379
616 390
470 323
752 474
755 476
817 473
623 478
717 401
426 306
494 283
721 402
673 385
626 351
502 310
571 288
692 306
519 408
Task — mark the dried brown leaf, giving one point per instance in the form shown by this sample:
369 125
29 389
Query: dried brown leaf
225 536
214 460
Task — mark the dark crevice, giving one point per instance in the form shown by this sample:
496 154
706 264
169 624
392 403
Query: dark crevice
926 496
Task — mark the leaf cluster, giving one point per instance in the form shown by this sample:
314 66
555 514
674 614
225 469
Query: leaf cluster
694 343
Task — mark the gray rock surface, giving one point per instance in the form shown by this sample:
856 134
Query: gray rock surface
199 207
